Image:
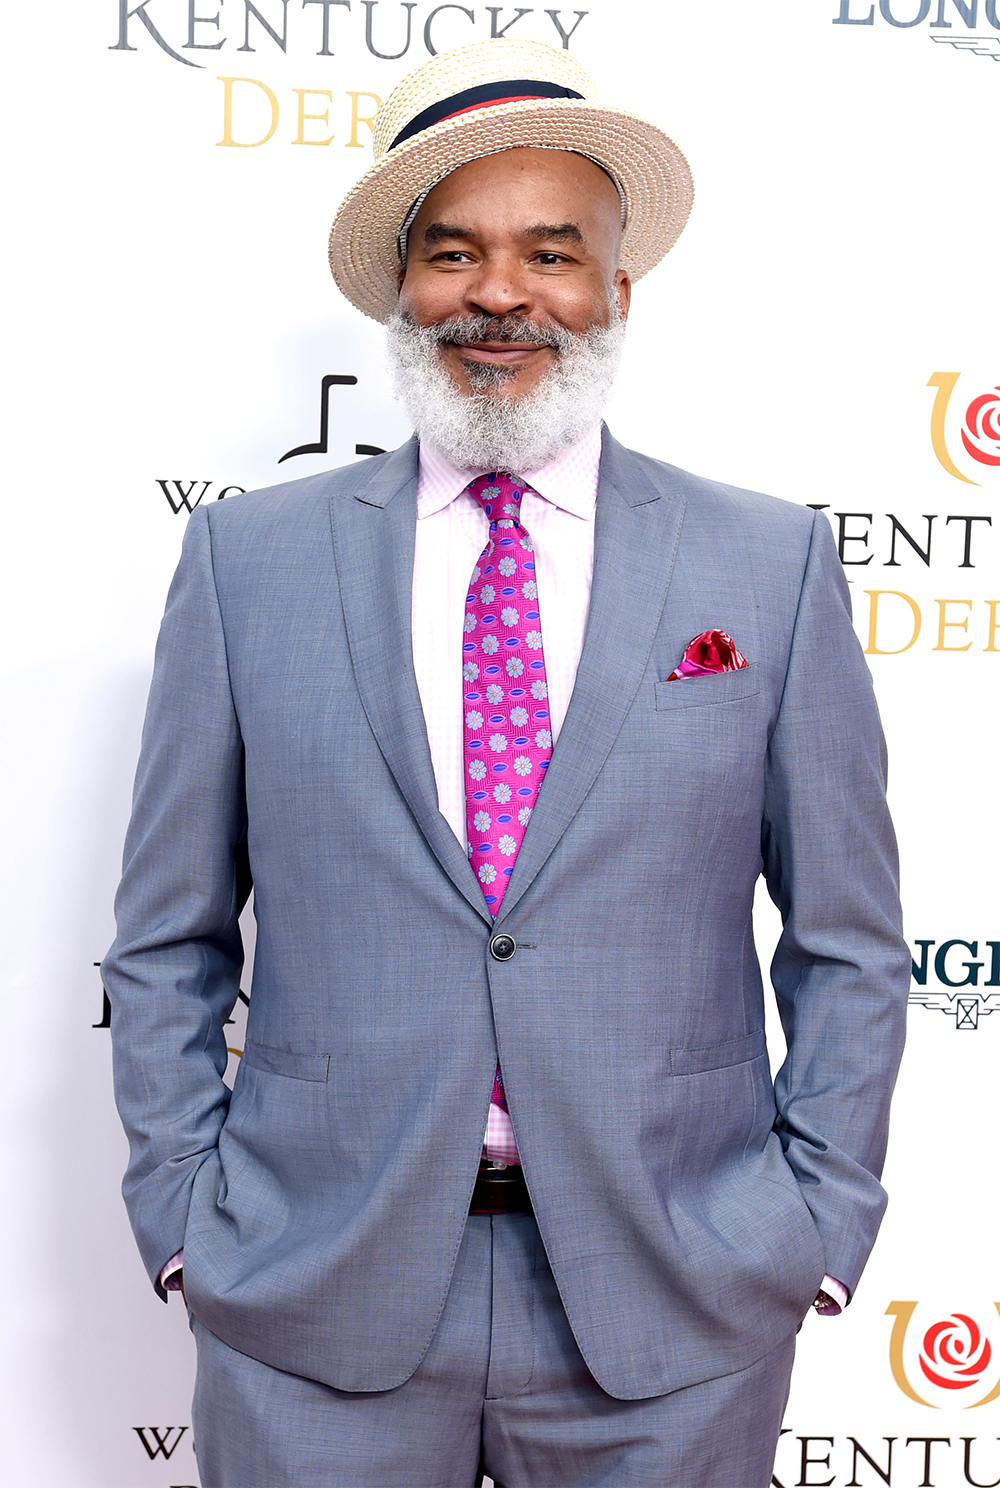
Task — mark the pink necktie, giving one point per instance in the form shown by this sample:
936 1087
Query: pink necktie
508 739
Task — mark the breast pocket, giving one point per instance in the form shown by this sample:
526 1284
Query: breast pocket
701 692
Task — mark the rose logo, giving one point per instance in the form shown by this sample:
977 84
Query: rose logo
981 435
955 1353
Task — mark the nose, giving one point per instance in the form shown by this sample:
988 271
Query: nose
498 289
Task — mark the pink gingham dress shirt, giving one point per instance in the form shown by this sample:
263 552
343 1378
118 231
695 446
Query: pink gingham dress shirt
451 533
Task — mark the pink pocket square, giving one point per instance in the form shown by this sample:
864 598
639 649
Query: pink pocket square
712 651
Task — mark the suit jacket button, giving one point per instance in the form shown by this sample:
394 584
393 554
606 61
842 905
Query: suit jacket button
502 947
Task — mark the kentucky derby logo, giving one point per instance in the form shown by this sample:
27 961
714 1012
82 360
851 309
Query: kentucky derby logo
981 435
951 1360
979 431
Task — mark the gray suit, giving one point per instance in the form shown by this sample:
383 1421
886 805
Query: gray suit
688 1208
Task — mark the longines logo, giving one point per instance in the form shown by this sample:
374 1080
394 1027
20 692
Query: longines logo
977 46
965 1007
979 431
956 975
948 15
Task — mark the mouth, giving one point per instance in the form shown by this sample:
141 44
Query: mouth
499 353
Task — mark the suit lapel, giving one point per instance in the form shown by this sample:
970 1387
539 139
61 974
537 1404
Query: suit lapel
637 528
373 535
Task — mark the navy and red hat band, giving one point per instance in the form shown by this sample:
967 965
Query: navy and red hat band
510 91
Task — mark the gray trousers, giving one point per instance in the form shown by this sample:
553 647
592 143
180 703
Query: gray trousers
502 1389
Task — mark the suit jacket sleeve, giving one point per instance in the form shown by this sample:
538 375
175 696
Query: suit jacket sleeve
841 969
173 972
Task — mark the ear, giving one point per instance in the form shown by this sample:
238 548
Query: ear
623 290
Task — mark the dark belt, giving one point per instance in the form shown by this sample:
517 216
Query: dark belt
500 1191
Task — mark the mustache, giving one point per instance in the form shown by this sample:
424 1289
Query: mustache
478 425
473 330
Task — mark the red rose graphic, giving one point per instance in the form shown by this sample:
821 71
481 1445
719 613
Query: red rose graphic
951 1356
981 435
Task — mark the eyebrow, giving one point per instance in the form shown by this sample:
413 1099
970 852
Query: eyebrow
437 232
561 232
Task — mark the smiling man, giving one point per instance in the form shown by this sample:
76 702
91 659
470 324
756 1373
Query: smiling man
503 727
511 311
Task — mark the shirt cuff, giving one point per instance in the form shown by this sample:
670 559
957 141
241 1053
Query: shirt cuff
833 1297
170 1276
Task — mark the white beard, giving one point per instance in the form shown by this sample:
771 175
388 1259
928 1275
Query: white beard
485 429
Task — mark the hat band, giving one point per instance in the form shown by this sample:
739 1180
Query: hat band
511 91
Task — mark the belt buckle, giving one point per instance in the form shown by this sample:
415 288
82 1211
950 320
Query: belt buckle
495 1186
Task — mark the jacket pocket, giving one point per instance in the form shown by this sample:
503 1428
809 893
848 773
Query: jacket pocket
695 1061
286 1062
698 692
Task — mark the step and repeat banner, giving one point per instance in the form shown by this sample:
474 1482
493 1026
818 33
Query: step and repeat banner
826 330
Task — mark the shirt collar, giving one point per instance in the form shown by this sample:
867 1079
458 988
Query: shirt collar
569 482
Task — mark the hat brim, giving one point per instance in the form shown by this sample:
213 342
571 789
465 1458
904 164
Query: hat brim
653 173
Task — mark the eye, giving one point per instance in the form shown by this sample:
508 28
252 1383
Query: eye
547 260
452 255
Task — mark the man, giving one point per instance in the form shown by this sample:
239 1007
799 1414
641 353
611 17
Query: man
504 834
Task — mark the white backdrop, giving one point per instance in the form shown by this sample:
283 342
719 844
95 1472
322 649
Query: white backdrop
173 319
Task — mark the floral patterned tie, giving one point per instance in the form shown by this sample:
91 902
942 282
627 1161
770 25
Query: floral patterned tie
508 738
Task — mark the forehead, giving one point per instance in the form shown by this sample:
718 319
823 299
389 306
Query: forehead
524 185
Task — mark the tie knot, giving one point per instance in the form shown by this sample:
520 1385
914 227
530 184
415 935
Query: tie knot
499 495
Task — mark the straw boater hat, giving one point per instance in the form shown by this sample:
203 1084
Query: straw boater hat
480 100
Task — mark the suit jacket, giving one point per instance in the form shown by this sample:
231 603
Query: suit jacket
689 1207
